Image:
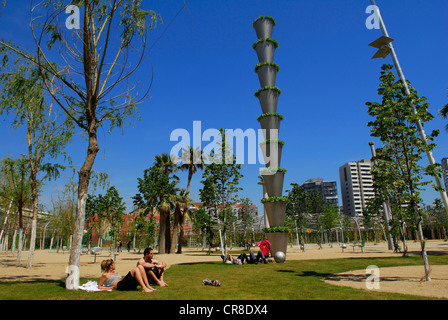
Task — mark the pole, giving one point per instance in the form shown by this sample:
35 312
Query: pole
408 93
386 208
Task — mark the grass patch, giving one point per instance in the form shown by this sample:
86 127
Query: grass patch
292 280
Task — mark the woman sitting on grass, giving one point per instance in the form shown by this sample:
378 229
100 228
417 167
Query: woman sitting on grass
112 280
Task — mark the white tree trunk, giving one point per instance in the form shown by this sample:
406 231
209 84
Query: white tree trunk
29 262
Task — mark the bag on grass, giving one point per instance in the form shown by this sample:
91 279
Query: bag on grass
208 282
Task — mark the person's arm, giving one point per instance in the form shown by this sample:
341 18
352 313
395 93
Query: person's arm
101 282
159 264
145 264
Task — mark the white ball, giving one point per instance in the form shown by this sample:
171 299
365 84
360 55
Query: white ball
279 257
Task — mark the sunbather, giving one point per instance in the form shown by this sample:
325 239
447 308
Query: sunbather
110 279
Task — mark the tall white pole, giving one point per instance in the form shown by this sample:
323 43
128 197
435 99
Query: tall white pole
419 123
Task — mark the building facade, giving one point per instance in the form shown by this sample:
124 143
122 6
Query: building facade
328 189
445 174
356 186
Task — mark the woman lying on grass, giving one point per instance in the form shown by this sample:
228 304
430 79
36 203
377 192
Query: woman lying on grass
112 280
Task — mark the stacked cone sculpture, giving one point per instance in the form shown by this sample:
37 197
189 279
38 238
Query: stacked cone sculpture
272 147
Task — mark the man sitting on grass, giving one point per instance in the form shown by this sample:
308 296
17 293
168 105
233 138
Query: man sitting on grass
154 268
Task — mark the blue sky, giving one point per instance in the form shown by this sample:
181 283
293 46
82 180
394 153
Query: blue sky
204 71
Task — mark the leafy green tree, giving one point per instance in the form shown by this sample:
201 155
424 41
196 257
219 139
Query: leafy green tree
93 83
155 191
398 161
245 217
17 188
297 211
111 208
23 96
331 218
202 222
220 186
63 212
316 208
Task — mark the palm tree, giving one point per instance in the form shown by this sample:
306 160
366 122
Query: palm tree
444 113
193 159
167 166
181 202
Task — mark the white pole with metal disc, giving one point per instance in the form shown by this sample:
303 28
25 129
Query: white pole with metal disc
390 48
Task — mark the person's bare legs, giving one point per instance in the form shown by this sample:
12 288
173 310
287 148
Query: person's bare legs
162 272
159 282
137 275
144 277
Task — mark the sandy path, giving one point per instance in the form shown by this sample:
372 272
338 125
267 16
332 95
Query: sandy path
52 265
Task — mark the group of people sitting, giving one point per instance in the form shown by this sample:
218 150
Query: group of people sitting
151 271
148 271
243 258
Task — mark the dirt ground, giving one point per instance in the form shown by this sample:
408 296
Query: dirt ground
51 265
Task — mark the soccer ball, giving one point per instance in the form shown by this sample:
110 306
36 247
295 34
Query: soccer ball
279 257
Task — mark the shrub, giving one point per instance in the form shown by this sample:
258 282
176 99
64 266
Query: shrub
276 229
257 93
267 64
274 42
275 199
264 17
269 114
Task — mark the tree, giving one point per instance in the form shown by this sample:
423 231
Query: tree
220 186
63 212
331 218
111 208
192 161
297 211
92 86
398 160
245 217
168 166
23 95
155 190
18 189
181 200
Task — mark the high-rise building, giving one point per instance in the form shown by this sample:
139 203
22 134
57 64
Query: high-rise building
445 175
328 189
356 186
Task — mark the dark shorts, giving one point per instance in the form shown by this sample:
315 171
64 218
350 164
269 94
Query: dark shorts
156 272
128 283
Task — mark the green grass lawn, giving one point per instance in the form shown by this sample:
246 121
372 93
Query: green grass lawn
292 280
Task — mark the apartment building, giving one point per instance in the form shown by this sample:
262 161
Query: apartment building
328 189
356 186
445 174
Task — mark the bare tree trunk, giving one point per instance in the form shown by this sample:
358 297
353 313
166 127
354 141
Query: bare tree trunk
29 262
181 231
19 244
83 186
423 246
162 231
177 219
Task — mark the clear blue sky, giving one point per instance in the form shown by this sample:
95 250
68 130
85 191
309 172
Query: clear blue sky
204 71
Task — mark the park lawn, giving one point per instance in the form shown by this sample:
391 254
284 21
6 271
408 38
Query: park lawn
292 280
